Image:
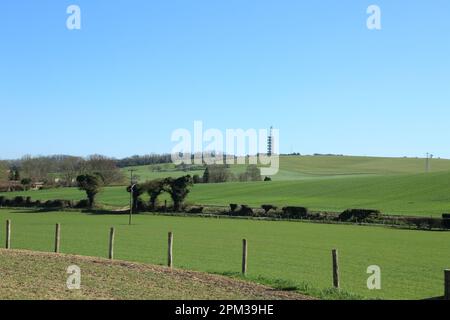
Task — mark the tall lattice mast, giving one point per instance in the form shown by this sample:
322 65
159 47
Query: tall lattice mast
270 142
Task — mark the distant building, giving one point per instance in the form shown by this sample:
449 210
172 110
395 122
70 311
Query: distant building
37 185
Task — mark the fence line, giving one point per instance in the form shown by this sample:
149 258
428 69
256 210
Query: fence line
170 258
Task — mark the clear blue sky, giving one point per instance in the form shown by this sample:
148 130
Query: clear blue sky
137 70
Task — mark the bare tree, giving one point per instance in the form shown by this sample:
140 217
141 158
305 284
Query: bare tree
70 168
105 167
3 171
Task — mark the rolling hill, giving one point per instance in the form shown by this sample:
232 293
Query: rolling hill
322 183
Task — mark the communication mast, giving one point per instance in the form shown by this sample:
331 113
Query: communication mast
270 142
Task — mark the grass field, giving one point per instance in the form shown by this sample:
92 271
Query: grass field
34 275
323 183
409 194
412 262
316 167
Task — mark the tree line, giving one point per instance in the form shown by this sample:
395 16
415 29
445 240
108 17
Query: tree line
222 173
177 188
60 170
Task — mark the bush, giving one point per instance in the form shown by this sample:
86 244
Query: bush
195 210
2 201
58 204
294 212
446 223
252 173
82 204
196 179
18 201
215 211
359 214
245 211
426 223
268 207
217 174
267 179
233 207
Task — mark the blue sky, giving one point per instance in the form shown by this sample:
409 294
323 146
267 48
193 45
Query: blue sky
138 70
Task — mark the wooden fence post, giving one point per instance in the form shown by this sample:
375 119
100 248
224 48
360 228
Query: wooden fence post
336 283
8 234
447 284
57 237
111 244
170 251
244 256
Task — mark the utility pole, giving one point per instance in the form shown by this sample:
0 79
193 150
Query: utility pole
132 185
428 162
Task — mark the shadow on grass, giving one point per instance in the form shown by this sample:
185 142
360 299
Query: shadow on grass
107 212
86 211
302 288
435 298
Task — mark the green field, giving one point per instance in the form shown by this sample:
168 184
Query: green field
420 194
412 262
322 183
315 167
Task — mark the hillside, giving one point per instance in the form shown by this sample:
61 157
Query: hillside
36 276
417 194
392 185
315 167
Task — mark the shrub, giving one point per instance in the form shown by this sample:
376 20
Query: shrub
259 213
359 214
267 179
233 207
2 200
446 223
426 223
245 211
294 212
196 179
215 211
82 204
217 174
58 204
252 173
268 207
195 210
19 201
